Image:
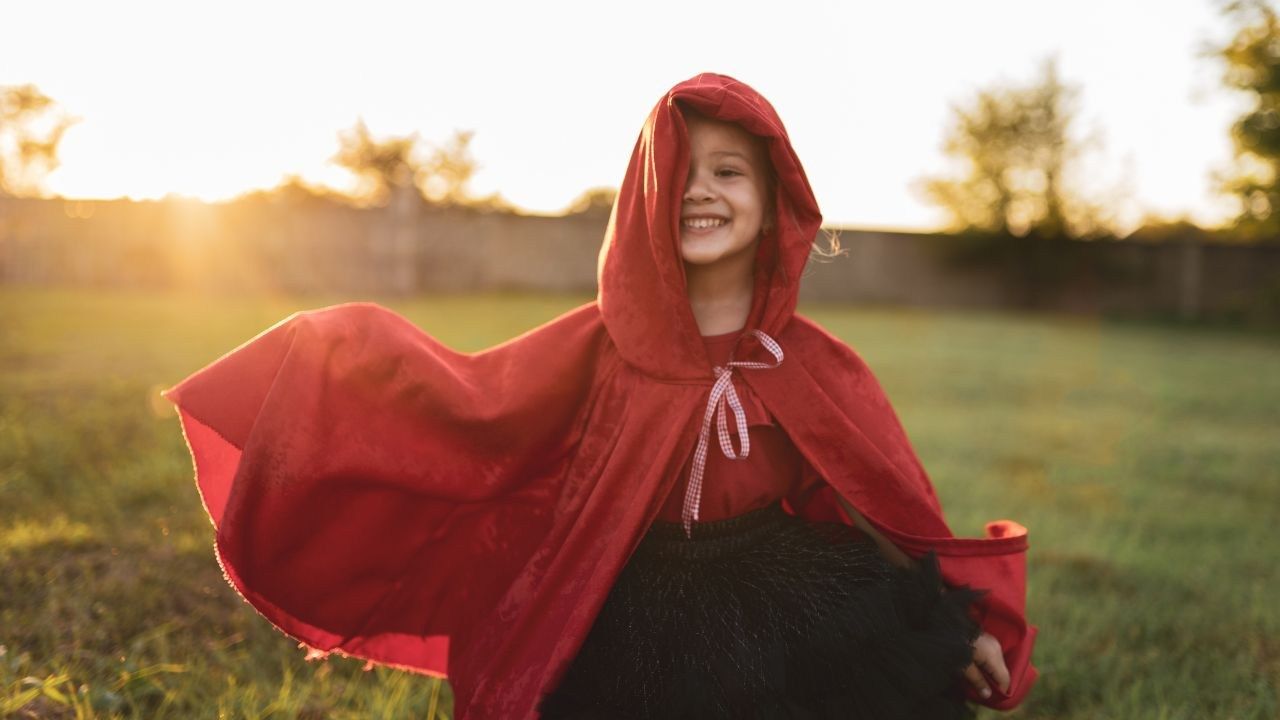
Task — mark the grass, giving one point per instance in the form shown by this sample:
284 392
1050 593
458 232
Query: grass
1144 458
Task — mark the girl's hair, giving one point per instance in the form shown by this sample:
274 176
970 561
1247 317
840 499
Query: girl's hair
833 248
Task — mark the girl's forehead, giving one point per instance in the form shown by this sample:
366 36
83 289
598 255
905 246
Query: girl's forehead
712 128
712 136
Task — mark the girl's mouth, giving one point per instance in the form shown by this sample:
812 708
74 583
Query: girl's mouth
703 225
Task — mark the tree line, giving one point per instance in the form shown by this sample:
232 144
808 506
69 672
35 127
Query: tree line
1017 149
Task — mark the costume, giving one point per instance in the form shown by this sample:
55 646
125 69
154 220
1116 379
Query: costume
760 615
766 616
380 495
773 470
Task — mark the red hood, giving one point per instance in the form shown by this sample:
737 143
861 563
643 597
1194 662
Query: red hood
642 292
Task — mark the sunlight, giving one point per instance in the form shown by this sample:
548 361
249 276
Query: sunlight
103 171
173 113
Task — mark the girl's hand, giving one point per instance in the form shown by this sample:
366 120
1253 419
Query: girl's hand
988 657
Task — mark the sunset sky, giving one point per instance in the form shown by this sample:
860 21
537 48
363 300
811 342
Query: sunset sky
211 99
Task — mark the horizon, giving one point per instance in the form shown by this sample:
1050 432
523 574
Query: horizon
166 111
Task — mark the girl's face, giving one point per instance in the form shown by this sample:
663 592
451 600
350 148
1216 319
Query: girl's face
726 194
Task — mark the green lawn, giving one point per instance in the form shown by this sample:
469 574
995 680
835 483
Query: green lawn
1145 460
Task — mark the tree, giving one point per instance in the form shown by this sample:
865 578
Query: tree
593 199
447 171
293 189
30 133
439 174
1018 154
1252 65
380 166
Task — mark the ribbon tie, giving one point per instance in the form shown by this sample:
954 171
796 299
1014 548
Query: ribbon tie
722 391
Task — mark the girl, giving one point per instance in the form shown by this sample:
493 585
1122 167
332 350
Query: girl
551 524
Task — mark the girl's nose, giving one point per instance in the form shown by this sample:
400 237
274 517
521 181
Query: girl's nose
695 189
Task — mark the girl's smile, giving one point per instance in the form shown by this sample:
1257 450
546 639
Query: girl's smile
726 193
701 224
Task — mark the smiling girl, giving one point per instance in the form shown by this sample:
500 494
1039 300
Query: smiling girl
764 615
726 210
553 525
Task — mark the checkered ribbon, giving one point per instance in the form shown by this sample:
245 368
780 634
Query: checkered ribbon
721 392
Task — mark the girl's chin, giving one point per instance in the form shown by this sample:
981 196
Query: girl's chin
709 253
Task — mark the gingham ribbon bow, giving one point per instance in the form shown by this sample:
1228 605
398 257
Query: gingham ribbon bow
721 391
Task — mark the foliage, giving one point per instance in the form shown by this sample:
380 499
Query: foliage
381 166
384 167
294 190
1019 156
31 130
596 199
447 170
1155 229
1251 61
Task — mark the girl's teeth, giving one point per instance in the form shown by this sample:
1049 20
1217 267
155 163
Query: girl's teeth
703 223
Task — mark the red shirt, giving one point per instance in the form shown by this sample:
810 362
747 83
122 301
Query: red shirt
773 468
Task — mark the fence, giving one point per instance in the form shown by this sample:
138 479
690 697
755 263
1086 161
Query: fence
307 244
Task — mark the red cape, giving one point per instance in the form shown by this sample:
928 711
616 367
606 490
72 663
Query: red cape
379 495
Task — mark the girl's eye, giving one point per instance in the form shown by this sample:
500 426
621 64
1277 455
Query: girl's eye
727 171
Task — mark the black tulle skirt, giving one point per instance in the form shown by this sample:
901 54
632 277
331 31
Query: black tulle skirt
766 615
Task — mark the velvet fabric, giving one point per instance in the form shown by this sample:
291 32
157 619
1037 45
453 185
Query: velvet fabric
379 495
774 469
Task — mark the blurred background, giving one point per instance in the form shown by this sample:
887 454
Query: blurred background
1059 227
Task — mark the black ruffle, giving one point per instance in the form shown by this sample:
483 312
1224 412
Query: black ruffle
768 616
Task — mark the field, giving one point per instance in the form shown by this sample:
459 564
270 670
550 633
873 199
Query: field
1144 458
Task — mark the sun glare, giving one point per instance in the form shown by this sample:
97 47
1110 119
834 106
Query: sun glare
179 113
94 172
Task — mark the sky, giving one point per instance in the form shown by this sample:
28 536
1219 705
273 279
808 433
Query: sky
210 99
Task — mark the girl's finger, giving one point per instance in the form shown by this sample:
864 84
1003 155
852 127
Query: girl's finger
975 678
998 672
992 661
